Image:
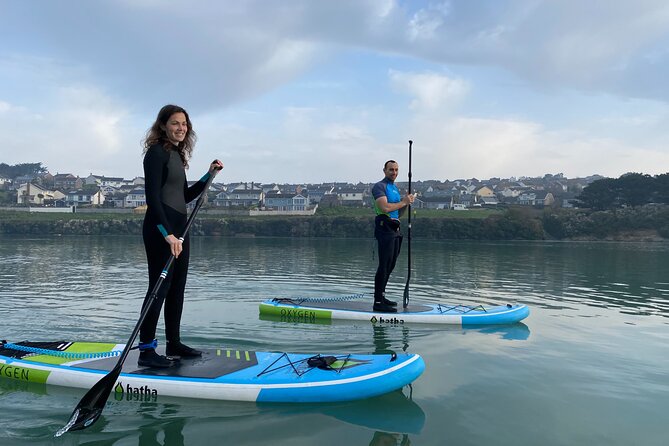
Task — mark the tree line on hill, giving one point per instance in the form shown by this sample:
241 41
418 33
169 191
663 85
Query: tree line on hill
630 190
21 169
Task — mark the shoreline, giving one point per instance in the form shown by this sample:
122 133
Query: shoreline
641 224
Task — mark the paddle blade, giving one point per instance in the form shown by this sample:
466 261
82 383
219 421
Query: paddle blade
91 405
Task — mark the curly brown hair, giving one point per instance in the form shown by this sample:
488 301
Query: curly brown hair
156 134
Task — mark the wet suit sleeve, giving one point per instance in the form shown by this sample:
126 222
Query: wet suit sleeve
379 190
154 170
191 193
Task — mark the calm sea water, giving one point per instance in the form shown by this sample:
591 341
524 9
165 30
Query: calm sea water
590 366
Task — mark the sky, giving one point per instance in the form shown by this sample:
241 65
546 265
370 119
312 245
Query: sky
304 91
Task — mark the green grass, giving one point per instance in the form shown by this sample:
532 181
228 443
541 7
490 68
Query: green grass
441 213
46 216
352 212
417 213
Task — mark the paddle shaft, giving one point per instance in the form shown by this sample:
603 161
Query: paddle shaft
91 405
406 287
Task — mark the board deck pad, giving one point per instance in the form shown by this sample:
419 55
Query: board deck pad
357 305
212 364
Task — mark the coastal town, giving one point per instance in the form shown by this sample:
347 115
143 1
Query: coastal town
70 191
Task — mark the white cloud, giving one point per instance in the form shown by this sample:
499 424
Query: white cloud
345 133
483 148
425 23
82 130
431 91
251 73
5 107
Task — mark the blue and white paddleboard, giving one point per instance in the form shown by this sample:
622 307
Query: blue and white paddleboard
220 374
314 310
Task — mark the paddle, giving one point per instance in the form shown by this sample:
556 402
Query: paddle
406 287
92 404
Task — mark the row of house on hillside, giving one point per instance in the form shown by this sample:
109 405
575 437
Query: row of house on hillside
36 195
62 190
274 197
270 197
456 196
71 190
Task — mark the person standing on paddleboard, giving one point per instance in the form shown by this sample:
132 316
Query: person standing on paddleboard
167 148
389 206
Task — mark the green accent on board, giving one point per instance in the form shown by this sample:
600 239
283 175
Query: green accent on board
347 364
237 355
77 347
25 374
298 314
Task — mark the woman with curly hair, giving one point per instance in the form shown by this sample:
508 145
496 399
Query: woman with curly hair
168 147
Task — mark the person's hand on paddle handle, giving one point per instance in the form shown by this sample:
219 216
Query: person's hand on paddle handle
408 199
215 166
176 245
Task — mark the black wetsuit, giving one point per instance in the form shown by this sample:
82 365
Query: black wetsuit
388 235
167 193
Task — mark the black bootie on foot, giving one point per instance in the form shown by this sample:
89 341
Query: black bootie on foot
149 358
388 302
176 348
382 307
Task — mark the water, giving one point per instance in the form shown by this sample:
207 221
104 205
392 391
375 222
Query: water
589 366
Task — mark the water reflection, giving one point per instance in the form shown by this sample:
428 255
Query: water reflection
84 274
513 332
171 421
389 439
587 371
159 425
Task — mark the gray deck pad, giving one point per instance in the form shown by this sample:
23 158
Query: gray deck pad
212 364
356 305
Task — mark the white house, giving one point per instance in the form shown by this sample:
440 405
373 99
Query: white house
351 196
98 198
135 198
105 181
285 202
29 193
241 195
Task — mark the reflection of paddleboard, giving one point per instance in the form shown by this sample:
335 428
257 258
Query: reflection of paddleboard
310 310
393 412
219 374
515 332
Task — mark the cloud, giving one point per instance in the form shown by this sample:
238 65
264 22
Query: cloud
5 107
309 90
425 23
82 130
229 53
431 91
484 148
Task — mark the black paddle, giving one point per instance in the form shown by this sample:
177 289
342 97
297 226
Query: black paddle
93 403
406 287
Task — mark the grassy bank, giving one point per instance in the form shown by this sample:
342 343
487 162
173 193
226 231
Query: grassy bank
521 223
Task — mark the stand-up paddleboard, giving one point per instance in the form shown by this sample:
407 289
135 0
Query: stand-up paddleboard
219 374
357 309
